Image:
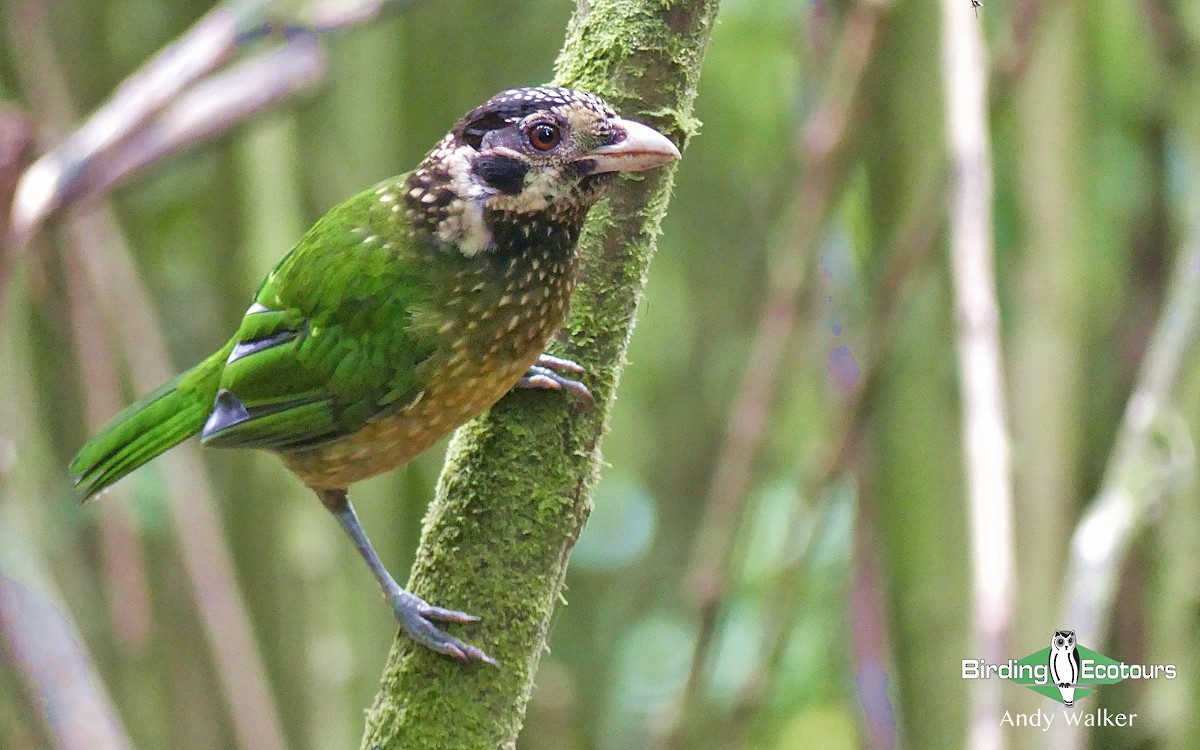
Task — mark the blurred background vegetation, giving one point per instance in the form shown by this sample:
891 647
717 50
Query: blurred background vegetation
779 555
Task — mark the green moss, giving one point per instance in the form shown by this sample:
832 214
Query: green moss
516 488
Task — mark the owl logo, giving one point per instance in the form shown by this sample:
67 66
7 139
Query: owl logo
1064 664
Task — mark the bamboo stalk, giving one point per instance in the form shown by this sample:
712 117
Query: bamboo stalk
985 421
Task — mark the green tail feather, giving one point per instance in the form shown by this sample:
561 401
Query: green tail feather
149 427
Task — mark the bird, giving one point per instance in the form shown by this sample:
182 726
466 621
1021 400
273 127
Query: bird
402 313
1064 664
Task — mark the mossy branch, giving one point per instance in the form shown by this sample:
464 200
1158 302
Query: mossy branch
516 488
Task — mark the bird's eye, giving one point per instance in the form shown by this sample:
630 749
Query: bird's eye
544 136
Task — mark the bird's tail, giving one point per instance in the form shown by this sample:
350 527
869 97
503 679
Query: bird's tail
149 427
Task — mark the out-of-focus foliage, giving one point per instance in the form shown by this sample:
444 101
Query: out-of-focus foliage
1094 136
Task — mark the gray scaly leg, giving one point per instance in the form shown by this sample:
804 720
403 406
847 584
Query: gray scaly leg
414 614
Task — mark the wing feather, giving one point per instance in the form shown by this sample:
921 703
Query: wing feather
329 343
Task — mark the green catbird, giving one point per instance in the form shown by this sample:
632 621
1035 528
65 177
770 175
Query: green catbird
403 312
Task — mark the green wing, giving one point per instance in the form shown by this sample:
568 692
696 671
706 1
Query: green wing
332 340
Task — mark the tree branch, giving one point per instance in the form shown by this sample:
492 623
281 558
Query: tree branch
516 488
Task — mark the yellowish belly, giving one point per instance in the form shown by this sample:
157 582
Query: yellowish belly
394 441
489 339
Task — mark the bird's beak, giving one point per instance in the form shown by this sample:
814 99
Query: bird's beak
632 148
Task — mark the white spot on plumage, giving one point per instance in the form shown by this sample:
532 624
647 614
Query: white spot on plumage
464 226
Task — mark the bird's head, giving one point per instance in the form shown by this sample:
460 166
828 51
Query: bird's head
527 156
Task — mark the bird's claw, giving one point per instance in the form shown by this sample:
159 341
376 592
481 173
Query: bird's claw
543 375
441 614
558 363
417 618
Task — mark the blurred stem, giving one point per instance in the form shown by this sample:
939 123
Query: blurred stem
985 422
1152 453
121 545
1009 64
516 488
106 264
60 693
37 635
177 100
1172 597
912 482
871 647
828 141
906 257
1053 389
16 152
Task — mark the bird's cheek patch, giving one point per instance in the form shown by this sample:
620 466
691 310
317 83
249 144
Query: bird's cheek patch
503 173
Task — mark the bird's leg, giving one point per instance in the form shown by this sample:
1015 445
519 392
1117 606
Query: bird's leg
415 615
544 374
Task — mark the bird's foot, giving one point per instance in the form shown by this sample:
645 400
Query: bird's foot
545 374
417 617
